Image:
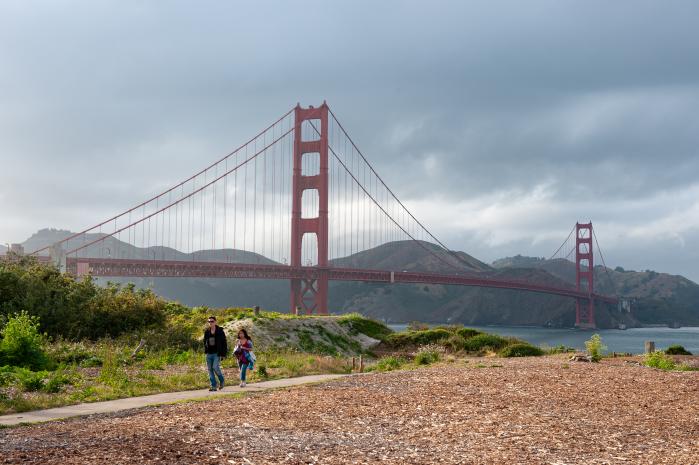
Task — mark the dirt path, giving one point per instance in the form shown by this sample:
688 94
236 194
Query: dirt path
534 410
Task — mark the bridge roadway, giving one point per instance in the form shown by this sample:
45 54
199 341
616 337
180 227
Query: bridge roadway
112 267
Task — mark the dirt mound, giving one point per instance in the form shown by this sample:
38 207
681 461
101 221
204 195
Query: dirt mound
325 335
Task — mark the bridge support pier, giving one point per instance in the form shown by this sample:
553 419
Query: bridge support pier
584 276
310 291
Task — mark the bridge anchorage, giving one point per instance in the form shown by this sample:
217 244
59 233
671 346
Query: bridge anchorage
297 202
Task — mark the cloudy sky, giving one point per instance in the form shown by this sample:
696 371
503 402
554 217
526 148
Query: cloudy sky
500 123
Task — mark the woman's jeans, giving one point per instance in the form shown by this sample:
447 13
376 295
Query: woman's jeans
213 363
243 370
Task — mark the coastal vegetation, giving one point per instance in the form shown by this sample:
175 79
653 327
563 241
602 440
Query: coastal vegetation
65 340
595 348
663 361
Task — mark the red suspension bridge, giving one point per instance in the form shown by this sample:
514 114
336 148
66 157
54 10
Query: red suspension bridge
286 205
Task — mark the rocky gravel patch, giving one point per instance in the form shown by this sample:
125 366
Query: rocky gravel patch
533 410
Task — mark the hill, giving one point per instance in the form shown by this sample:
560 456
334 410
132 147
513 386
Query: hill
657 298
411 256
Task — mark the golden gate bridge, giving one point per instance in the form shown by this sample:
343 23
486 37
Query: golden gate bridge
296 197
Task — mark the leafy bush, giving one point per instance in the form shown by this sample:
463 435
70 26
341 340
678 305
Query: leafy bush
484 341
24 378
417 338
75 308
426 356
455 343
595 347
467 333
677 350
55 382
390 363
521 350
22 344
659 360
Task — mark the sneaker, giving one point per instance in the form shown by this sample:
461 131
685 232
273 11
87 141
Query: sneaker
220 386
212 389
243 384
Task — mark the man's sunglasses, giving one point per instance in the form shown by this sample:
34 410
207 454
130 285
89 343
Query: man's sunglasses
212 321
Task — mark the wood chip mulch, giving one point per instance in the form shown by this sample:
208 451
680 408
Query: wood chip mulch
487 411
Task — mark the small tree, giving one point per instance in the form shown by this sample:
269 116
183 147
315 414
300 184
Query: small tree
22 344
595 348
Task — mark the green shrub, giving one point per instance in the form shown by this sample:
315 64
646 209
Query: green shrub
426 357
595 348
521 350
659 360
22 344
390 363
677 350
55 382
455 343
23 378
417 338
428 354
75 308
262 371
481 342
467 333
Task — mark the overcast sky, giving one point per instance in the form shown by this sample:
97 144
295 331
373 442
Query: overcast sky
500 123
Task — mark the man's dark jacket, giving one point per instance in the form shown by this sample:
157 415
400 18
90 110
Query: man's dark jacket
221 347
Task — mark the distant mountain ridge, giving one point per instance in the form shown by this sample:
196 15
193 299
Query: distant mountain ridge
659 298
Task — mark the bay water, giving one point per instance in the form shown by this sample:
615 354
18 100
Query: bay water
630 340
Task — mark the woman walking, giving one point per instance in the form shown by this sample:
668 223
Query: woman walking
243 352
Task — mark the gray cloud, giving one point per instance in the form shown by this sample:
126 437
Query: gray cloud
524 117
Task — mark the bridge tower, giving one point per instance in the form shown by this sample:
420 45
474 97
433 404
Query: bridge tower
309 290
584 276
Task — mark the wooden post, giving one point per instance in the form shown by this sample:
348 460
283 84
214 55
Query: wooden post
649 347
256 310
140 346
354 364
361 364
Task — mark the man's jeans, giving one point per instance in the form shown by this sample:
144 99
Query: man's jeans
213 363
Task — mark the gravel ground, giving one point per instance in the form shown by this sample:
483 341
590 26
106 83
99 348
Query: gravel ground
489 411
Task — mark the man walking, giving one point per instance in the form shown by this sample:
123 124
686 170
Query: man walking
216 348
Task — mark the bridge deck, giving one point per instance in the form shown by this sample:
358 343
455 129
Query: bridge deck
110 267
